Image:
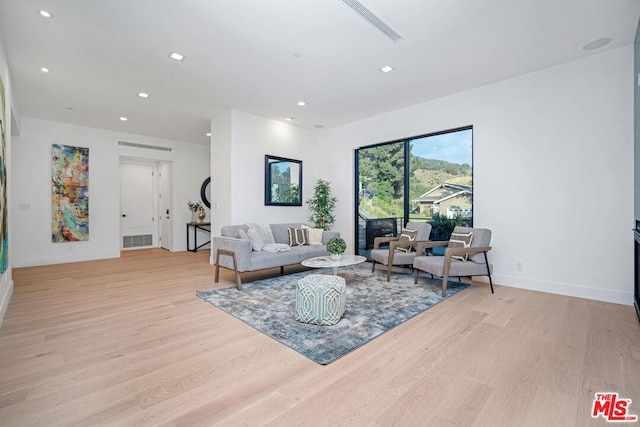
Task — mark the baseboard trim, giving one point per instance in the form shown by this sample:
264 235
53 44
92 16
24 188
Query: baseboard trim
568 289
16 263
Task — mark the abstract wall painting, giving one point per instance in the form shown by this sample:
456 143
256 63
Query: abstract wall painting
4 235
70 193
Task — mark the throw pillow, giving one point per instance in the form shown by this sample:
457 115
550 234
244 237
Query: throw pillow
257 243
265 232
242 235
315 235
298 237
410 235
460 240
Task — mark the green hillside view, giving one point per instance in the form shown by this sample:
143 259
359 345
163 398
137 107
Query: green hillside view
382 183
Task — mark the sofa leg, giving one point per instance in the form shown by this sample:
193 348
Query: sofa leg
282 270
373 266
235 266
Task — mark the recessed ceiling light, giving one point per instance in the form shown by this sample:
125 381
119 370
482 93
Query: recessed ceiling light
208 133
143 95
302 103
124 119
597 44
318 126
44 69
386 68
176 56
289 119
46 14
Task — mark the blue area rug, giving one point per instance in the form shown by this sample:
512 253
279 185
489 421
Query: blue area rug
374 306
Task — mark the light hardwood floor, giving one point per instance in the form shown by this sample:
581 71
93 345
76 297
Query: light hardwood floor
126 342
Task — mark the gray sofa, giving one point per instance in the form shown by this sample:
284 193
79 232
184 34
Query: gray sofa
236 253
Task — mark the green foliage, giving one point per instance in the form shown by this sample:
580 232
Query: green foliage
336 245
442 227
382 170
322 205
283 191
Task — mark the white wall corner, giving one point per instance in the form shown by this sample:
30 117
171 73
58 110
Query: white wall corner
5 296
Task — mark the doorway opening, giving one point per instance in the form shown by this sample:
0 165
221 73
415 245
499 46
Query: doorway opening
145 203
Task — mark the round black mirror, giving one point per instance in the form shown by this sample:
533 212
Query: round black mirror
205 192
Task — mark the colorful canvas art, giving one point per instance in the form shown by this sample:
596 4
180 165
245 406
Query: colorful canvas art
70 193
4 235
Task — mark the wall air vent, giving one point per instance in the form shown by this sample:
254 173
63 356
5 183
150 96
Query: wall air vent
148 147
137 241
373 19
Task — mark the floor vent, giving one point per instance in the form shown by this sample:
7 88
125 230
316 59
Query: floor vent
148 147
137 241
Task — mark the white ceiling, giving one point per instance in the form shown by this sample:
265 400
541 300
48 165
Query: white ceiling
263 56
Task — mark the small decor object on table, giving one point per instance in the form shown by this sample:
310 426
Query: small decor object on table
194 207
201 215
336 247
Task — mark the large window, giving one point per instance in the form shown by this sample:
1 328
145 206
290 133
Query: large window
424 178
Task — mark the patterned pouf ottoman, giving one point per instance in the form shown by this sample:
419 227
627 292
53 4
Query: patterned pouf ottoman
320 299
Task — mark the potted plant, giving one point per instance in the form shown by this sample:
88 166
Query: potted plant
336 247
442 227
194 207
322 205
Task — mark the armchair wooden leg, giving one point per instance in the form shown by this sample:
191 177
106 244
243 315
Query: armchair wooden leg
389 273
445 279
373 266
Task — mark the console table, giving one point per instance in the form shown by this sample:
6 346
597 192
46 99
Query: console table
204 226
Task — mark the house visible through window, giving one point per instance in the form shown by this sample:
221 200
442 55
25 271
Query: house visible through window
424 178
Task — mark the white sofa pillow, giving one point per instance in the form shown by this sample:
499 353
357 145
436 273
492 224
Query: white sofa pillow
315 235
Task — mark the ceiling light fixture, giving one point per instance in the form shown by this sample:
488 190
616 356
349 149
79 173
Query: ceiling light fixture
302 103
46 14
387 68
289 119
597 44
124 119
318 126
44 69
143 95
176 56
208 133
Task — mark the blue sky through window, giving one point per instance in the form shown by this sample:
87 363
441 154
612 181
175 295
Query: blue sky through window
454 147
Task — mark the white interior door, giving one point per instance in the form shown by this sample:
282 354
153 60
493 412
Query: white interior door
166 206
137 224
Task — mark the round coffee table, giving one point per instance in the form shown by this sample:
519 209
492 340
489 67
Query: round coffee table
326 261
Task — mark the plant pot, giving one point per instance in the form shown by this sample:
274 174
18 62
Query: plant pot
336 257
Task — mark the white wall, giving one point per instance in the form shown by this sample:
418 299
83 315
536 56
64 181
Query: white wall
6 282
239 143
31 207
553 171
